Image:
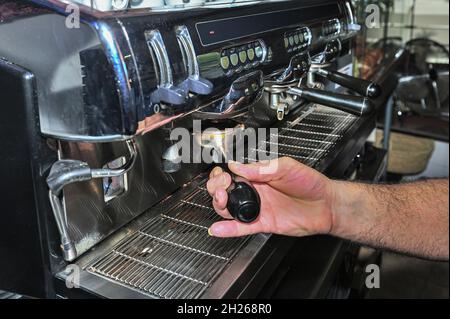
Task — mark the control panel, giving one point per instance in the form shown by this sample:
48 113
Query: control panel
158 67
331 28
297 39
243 57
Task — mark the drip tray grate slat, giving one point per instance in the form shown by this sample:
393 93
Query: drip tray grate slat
172 255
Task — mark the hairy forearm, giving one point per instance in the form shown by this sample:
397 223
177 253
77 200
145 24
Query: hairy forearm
409 218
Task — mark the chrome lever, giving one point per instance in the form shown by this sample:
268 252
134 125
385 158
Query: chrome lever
166 92
298 68
199 85
332 50
195 83
244 92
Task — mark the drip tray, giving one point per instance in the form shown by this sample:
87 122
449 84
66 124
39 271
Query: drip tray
167 252
172 255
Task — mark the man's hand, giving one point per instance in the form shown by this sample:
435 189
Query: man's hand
298 201
295 200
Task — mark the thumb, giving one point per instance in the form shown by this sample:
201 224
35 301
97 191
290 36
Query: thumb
264 171
284 174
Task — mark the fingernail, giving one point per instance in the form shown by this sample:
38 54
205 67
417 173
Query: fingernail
217 230
210 232
216 171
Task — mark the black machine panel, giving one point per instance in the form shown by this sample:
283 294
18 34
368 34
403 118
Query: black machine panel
228 29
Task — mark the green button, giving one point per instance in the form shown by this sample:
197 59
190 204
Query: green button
243 56
251 54
259 51
296 40
225 62
234 59
301 37
291 40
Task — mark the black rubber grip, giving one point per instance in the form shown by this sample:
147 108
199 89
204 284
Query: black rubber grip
360 86
244 203
352 104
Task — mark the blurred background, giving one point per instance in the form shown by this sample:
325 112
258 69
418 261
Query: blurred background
417 119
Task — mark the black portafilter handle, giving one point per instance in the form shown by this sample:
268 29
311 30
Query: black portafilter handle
352 104
360 86
244 203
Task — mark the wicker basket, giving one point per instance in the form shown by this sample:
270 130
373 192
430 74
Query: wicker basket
408 155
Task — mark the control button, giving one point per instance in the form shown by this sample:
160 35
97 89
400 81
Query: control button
251 54
286 42
225 62
259 51
269 55
291 40
243 56
234 59
296 39
301 37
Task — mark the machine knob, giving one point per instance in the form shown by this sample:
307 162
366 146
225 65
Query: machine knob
244 203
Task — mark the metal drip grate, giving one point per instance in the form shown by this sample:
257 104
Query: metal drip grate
309 138
172 255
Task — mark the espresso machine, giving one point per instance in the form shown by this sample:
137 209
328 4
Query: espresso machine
99 203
